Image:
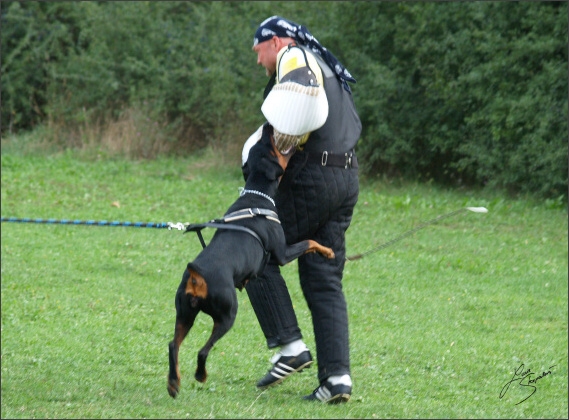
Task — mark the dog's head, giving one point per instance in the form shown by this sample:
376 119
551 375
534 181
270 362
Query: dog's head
265 158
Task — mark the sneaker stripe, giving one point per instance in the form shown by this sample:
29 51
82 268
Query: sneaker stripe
279 373
323 394
276 375
282 365
282 369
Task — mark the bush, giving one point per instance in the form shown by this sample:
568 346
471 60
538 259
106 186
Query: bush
471 93
468 93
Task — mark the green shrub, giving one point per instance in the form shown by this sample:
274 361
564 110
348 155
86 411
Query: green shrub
463 92
459 93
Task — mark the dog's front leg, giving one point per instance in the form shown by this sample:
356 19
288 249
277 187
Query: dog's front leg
294 251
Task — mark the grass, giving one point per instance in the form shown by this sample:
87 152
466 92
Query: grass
439 322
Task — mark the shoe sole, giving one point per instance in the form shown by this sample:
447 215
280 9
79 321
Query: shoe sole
278 381
338 399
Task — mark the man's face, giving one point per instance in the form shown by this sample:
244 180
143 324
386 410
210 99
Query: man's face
267 54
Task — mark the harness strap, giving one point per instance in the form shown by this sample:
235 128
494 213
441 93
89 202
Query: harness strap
231 217
197 227
251 212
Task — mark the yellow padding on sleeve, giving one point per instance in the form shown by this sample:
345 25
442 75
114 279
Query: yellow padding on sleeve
289 65
293 59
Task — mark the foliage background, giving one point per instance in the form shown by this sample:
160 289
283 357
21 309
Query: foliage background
460 93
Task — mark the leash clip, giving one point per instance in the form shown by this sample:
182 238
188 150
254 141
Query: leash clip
179 226
348 160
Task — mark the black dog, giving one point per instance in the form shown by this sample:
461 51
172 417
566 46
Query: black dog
235 255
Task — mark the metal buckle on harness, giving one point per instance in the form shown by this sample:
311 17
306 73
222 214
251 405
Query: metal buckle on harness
324 158
348 160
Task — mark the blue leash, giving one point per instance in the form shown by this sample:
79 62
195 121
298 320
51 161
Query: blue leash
188 227
161 225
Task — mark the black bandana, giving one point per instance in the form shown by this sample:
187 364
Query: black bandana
282 28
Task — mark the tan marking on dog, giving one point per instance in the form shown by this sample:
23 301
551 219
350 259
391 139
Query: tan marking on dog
196 285
283 159
314 246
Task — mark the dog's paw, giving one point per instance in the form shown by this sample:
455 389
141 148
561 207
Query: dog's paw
314 246
173 387
200 376
328 253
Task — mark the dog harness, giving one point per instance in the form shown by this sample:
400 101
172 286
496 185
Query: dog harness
224 223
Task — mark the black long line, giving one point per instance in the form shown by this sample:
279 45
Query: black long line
404 235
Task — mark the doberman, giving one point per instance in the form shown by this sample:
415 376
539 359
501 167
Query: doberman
234 255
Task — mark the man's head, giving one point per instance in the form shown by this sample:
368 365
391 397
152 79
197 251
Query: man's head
271 36
268 50
277 32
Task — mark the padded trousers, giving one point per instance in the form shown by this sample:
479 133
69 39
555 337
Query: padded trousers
313 202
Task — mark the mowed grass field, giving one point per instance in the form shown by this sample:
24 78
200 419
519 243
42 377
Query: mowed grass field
439 322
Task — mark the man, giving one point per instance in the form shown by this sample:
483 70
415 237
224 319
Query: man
316 198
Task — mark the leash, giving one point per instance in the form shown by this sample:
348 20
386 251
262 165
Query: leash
156 225
419 227
223 223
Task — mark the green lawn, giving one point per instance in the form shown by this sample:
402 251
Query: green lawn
439 322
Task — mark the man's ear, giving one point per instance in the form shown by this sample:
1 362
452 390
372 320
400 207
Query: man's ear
276 43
